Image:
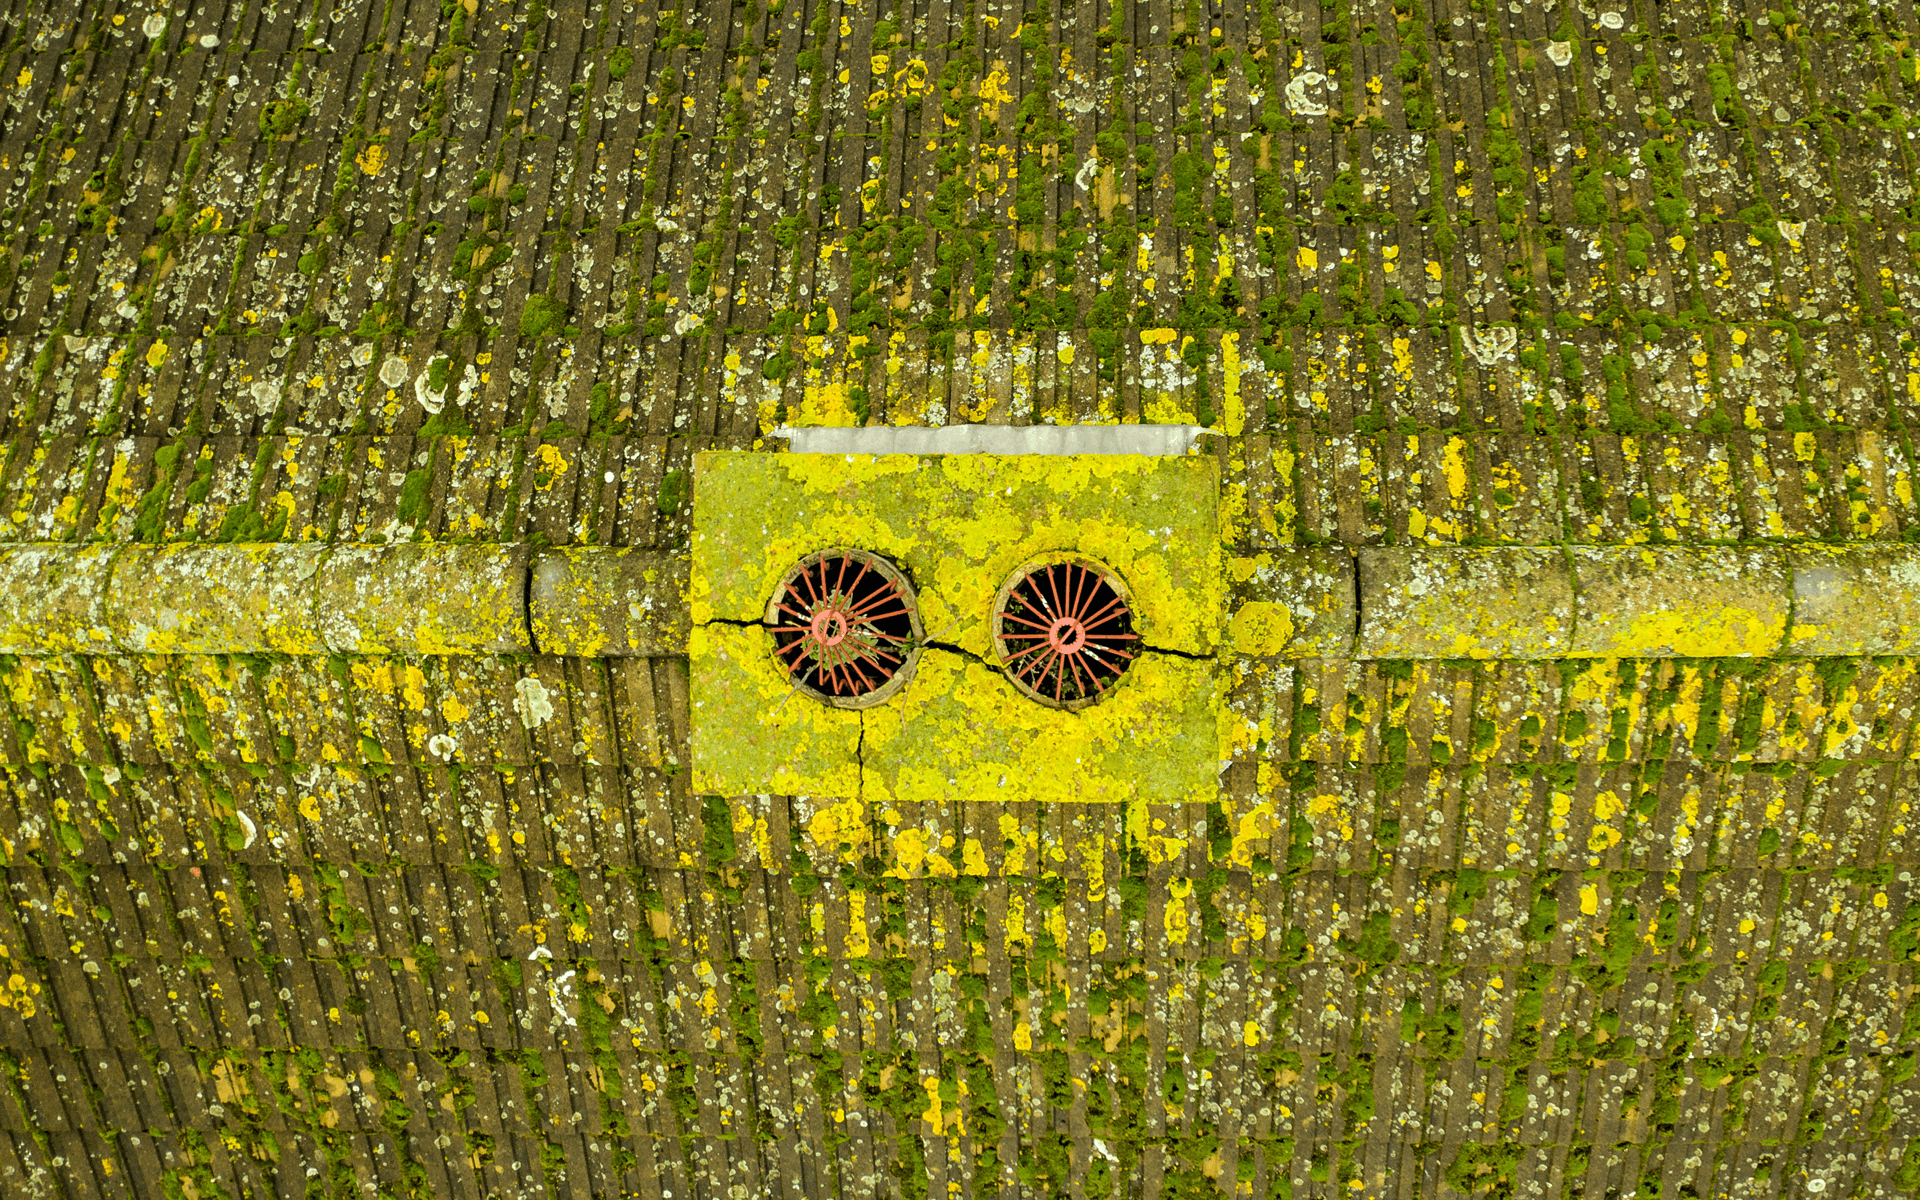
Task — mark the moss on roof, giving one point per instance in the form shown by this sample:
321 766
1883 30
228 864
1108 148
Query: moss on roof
1440 274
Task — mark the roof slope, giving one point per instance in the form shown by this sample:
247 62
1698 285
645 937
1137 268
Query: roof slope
1440 272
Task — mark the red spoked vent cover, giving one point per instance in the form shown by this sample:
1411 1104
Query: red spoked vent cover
1064 631
846 627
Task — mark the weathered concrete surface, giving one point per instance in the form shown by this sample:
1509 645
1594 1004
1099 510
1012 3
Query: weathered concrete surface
1854 600
752 732
1496 602
1298 602
424 599
1679 601
959 525
53 599
217 599
959 728
1294 603
609 603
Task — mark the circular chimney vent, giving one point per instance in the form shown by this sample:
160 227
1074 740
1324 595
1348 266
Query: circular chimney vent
1064 631
846 627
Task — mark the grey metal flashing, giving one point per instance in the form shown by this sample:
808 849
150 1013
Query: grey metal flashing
992 439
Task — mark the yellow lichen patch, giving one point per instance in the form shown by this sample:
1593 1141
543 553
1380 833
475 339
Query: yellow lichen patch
858 944
1725 631
550 466
960 525
840 828
1694 601
960 731
1602 835
752 734
413 688
1174 917
1167 408
1233 408
18 995
825 402
1252 828
1260 628
909 848
118 496
1017 842
994 92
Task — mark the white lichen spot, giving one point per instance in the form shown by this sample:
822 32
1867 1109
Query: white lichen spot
442 747
363 355
1559 53
393 372
1489 344
1297 98
560 996
209 41
533 702
423 390
469 380
666 225
265 395
1612 20
246 828
154 25
1089 170
686 323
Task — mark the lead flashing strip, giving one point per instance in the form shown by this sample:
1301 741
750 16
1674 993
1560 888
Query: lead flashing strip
992 439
